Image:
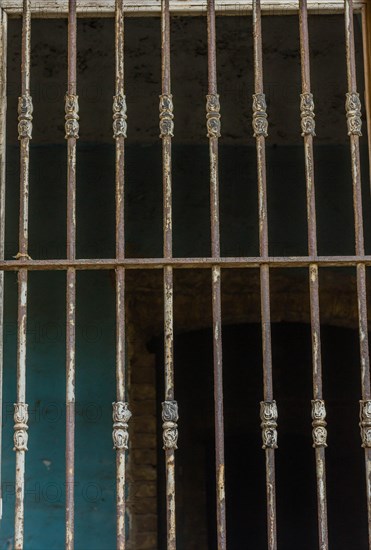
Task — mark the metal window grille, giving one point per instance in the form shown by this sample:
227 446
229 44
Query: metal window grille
214 264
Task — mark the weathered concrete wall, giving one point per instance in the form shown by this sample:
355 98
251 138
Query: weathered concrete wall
95 80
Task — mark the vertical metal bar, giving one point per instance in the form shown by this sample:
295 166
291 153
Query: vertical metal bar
72 134
353 112
21 408
169 406
366 37
318 404
121 413
268 407
3 106
213 133
353 109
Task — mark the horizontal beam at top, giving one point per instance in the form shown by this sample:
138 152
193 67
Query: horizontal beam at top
105 8
185 263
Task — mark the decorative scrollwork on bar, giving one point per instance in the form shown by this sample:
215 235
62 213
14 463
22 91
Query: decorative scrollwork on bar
119 116
269 417
170 418
260 117
72 116
365 423
25 110
20 427
166 116
213 116
308 124
121 416
319 423
353 109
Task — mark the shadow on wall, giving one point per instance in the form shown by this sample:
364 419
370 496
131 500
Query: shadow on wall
191 216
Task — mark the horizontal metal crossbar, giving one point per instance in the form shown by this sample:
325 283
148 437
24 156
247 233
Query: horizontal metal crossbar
106 8
185 263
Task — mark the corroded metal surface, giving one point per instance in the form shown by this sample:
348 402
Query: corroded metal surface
20 414
119 116
269 417
3 109
366 35
121 413
120 416
71 129
250 262
319 432
308 123
25 110
213 116
260 128
170 406
365 423
20 426
166 116
319 423
353 110
120 432
72 116
260 117
170 418
213 126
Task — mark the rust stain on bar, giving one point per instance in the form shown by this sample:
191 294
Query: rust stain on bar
185 263
366 36
72 134
213 133
169 406
353 112
260 127
25 110
260 131
318 405
121 413
3 108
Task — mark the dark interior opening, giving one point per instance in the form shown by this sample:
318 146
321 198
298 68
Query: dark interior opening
245 462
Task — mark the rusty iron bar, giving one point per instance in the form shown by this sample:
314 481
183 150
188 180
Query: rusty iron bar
3 107
353 111
318 404
213 133
21 408
366 39
169 406
185 263
269 412
71 129
121 413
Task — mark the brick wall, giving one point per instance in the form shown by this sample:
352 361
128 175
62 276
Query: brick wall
142 462
192 311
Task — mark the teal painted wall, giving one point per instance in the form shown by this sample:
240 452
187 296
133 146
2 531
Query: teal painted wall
95 390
